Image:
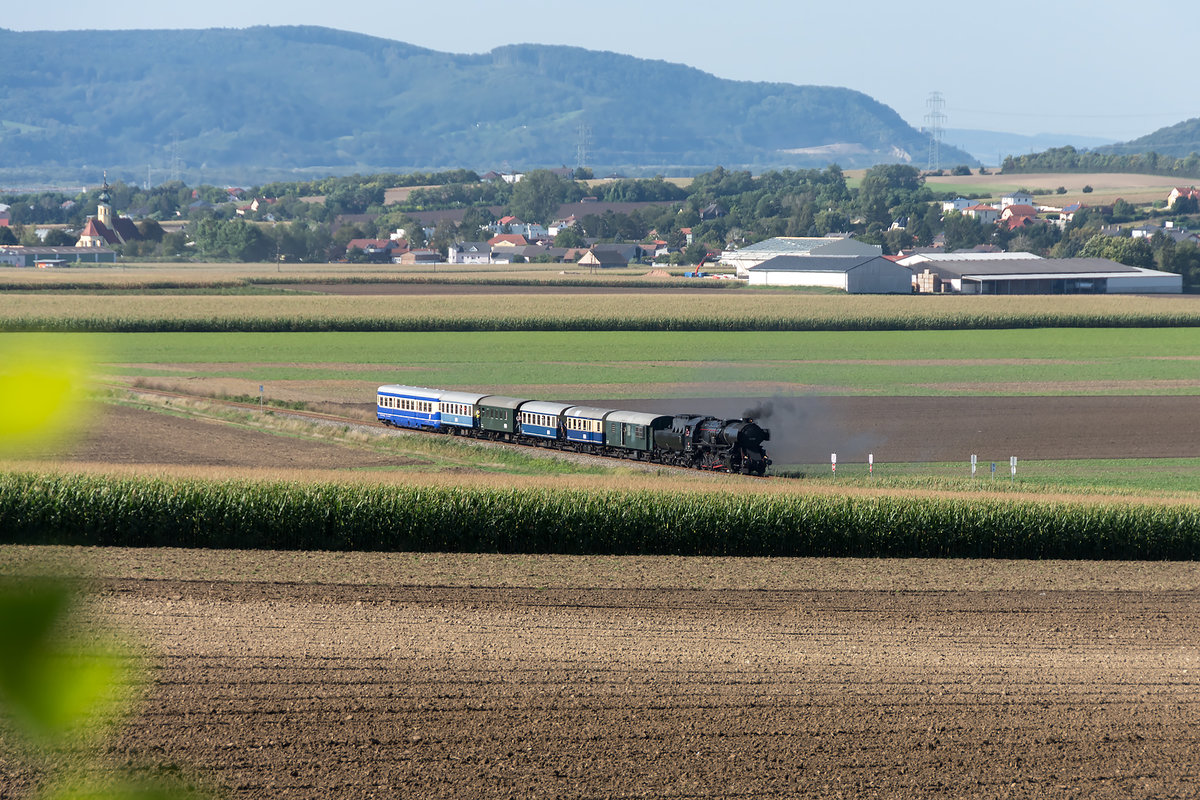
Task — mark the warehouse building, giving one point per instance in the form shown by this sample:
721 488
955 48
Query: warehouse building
854 274
17 256
833 245
1042 276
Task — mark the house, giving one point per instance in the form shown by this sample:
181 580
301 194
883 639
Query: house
984 213
568 221
469 253
603 258
5 216
959 204
373 249
712 211
1188 193
854 274
508 240
752 255
1018 216
421 257
1018 198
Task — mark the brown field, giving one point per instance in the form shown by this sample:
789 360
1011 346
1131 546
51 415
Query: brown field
804 430
322 675
468 302
1107 186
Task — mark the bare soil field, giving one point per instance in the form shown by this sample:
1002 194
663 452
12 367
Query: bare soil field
804 430
394 675
130 436
1107 186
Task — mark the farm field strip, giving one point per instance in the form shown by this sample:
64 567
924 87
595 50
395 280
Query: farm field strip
614 364
509 305
340 677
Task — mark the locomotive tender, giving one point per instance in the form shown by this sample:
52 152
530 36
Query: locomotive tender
684 440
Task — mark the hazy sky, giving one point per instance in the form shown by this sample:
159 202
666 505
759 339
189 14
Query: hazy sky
1099 68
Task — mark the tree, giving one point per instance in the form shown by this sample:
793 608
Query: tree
569 237
150 230
537 196
1122 249
7 236
963 232
56 237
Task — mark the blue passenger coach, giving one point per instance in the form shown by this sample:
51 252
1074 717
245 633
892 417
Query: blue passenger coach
409 406
585 425
542 419
459 410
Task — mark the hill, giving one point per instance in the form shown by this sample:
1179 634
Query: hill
1178 140
274 99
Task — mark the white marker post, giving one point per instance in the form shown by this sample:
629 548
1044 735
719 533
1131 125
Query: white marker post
833 462
1012 463
870 464
974 461
260 397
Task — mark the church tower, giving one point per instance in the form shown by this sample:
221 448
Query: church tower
104 207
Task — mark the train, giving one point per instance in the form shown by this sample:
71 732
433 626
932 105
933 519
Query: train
694 441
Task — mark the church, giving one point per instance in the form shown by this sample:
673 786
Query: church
104 229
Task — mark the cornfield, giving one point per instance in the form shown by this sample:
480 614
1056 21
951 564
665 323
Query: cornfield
146 512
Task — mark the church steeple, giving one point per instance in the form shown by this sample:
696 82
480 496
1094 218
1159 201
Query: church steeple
104 207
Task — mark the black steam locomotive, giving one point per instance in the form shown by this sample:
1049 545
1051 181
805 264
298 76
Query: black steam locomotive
685 440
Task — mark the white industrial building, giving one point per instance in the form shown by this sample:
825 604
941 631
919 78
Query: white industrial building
833 245
854 274
1041 276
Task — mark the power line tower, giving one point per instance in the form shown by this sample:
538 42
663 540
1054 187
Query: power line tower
175 156
935 121
582 141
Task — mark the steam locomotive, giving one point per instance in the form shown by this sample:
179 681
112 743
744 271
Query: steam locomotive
684 440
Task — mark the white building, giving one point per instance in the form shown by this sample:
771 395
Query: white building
1049 276
747 257
1017 198
854 274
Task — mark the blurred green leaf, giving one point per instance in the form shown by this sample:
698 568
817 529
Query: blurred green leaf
49 688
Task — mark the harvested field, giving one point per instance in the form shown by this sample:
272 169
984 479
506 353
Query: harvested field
804 430
1107 186
348 676
128 436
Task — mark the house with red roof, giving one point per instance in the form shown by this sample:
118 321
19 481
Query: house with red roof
508 240
1188 193
1018 216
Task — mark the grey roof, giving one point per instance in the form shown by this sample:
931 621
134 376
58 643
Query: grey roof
544 407
636 418
500 401
816 263
786 244
1044 267
467 398
588 412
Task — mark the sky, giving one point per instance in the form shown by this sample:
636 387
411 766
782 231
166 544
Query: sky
1108 69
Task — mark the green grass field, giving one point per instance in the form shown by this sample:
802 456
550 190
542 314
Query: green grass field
619 364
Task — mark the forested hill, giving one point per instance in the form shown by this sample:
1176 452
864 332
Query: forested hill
229 102
1179 140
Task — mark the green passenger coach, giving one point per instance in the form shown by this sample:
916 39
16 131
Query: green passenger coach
633 430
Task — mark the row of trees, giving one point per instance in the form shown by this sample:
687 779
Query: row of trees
1068 159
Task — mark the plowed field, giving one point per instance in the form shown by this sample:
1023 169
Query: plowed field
483 676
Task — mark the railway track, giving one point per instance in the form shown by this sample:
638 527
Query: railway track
378 427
